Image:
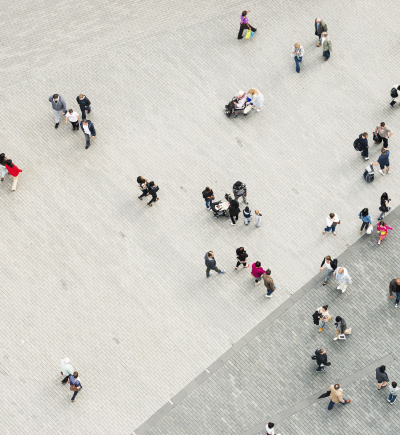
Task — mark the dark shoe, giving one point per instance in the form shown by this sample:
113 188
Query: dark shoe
89 110
87 146
73 128
140 198
325 59
2 179
240 37
56 126
324 283
392 103
255 30
77 128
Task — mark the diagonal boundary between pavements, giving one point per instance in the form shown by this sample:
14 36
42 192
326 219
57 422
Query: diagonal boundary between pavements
253 333
260 427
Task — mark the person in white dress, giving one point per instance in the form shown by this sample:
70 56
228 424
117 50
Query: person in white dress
257 99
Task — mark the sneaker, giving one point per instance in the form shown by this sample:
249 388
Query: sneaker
320 329
246 224
232 223
222 271
208 208
388 400
244 267
366 158
336 338
343 290
379 242
209 275
338 288
320 369
268 296
396 305
380 171
256 283
388 171
258 110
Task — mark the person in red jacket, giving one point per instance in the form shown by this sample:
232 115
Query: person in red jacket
12 169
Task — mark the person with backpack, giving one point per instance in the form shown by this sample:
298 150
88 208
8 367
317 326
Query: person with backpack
244 24
381 377
331 266
153 189
382 133
322 359
383 161
384 207
241 257
361 144
366 219
240 190
382 230
394 93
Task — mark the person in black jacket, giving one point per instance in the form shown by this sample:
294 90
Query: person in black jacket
363 143
153 189
208 196
84 104
88 129
381 377
234 211
331 265
384 207
322 359
241 256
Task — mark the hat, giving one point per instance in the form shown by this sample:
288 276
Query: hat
240 93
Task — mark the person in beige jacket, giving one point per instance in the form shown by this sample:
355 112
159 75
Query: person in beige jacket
336 396
326 46
269 283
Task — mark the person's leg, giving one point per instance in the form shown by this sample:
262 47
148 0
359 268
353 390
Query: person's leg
56 116
327 230
385 142
238 264
379 385
381 216
328 275
397 298
217 269
237 216
88 108
83 112
153 197
297 64
343 287
208 204
322 325
269 292
233 219
208 272
87 137
65 380
75 394
393 399
320 369
334 227
327 54
242 27
390 397
331 405
3 172
144 193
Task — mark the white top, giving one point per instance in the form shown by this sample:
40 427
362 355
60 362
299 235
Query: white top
73 117
330 221
86 129
270 431
322 40
257 99
328 265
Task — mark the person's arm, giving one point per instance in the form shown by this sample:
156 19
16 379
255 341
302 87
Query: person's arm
389 228
376 129
50 98
390 134
93 131
390 289
88 103
322 264
64 104
66 118
369 220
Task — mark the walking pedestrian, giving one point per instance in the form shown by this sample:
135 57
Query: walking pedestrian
270 429
341 328
269 283
143 186
12 169
381 377
257 218
66 370
234 211
320 27
257 271
75 385
58 105
3 160
297 54
244 24
240 190
241 257
393 390
322 359
366 219
336 396
394 287
384 207
88 130
74 119
331 266
326 46
257 99
331 222
381 228
211 264
247 215
343 278
84 104
324 316
382 133
208 196
394 93
363 145
383 161
153 189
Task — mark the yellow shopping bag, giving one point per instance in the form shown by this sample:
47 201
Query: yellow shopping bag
248 34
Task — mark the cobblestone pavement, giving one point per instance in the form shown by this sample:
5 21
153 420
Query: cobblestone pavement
91 273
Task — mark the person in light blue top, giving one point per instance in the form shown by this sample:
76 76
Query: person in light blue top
366 219
297 54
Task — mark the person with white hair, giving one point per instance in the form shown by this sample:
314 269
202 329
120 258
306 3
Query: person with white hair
241 99
320 27
297 54
326 46
257 99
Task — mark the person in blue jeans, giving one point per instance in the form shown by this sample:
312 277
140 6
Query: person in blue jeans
336 396
74 380
297 54
394 389
394 287
208 196
366 219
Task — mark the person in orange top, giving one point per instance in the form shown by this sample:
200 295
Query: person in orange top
382 229
12 169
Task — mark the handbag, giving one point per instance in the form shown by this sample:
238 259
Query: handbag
73 388
248 34
247 109
370 229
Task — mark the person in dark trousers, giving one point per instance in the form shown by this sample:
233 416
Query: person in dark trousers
393 391
241 256
320 27
88 129
58 105
153 189
234 211
382 133
341 327
366 219
322 359
383 161
331 266
363 143
381 377
394 287
75 385
211 264
384 207
84 104
208 196
244 24
336 396
269 283
73 119
143 186
240 190
394 93
326 46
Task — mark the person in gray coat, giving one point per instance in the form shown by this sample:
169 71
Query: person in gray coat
381 377
211 263
58 105
320 27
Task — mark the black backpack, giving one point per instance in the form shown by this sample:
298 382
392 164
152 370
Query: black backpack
357 145
394 93
238 186
334 264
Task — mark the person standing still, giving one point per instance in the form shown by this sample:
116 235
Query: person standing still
343 278
240 190
384 207
381 377
75 385
257 218
208 196
297 54
331 222
331 266
84 104
363 142
66 370
320 27
257 272
394 287
341 328
88 130
241 257
244 24
58 105
326 46
234 211
336 396
269 283
211 264
74 119
383 161
393 390
247 215
257 99
366 219
382 133
270 428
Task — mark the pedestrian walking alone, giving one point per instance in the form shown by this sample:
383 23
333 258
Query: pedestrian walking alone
269 283
343 278
326 46
12 169
363 145
324 316
336 396
270 428
234 211
257 271
241 257
381 377
58 105
84 104
74 119
341 328
331 266
208 196
394 391
366 219
383 161
297 54
322 359
240 190
257 99
382 229
143 186
320 27
66 370
331 223
88 129
247 215
211 264
382 133
257 218
75 385
3 160
153 189
244 24
384 207
394 287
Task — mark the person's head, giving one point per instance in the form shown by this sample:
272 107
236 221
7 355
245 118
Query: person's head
85 121
365 135
55 97
382 369
244 13
328 259
2 157
151 184
382 124
75 375
268 271
9 163
325 307
336 386
341 270
253 91
318 20
270 425
297 46
383 151
398 281
382 224
240 93
364 212
140 179
258 263
207 189
247 209
394 384
241 249
322 351
70 111
338 319
210 253
81 96
384 196
331 215
325 34
257 212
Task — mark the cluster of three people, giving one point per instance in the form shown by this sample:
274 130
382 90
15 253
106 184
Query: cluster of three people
8 167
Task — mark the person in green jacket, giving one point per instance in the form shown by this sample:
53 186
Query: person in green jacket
326 46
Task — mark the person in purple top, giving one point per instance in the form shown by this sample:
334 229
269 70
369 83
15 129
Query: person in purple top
74 380
244 24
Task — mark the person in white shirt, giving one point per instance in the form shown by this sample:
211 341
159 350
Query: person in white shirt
257 218
393 390
331 265
297 54
331 222
270 429
74 119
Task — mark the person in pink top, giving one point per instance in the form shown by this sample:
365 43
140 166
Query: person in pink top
257 271
382 230
244 24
